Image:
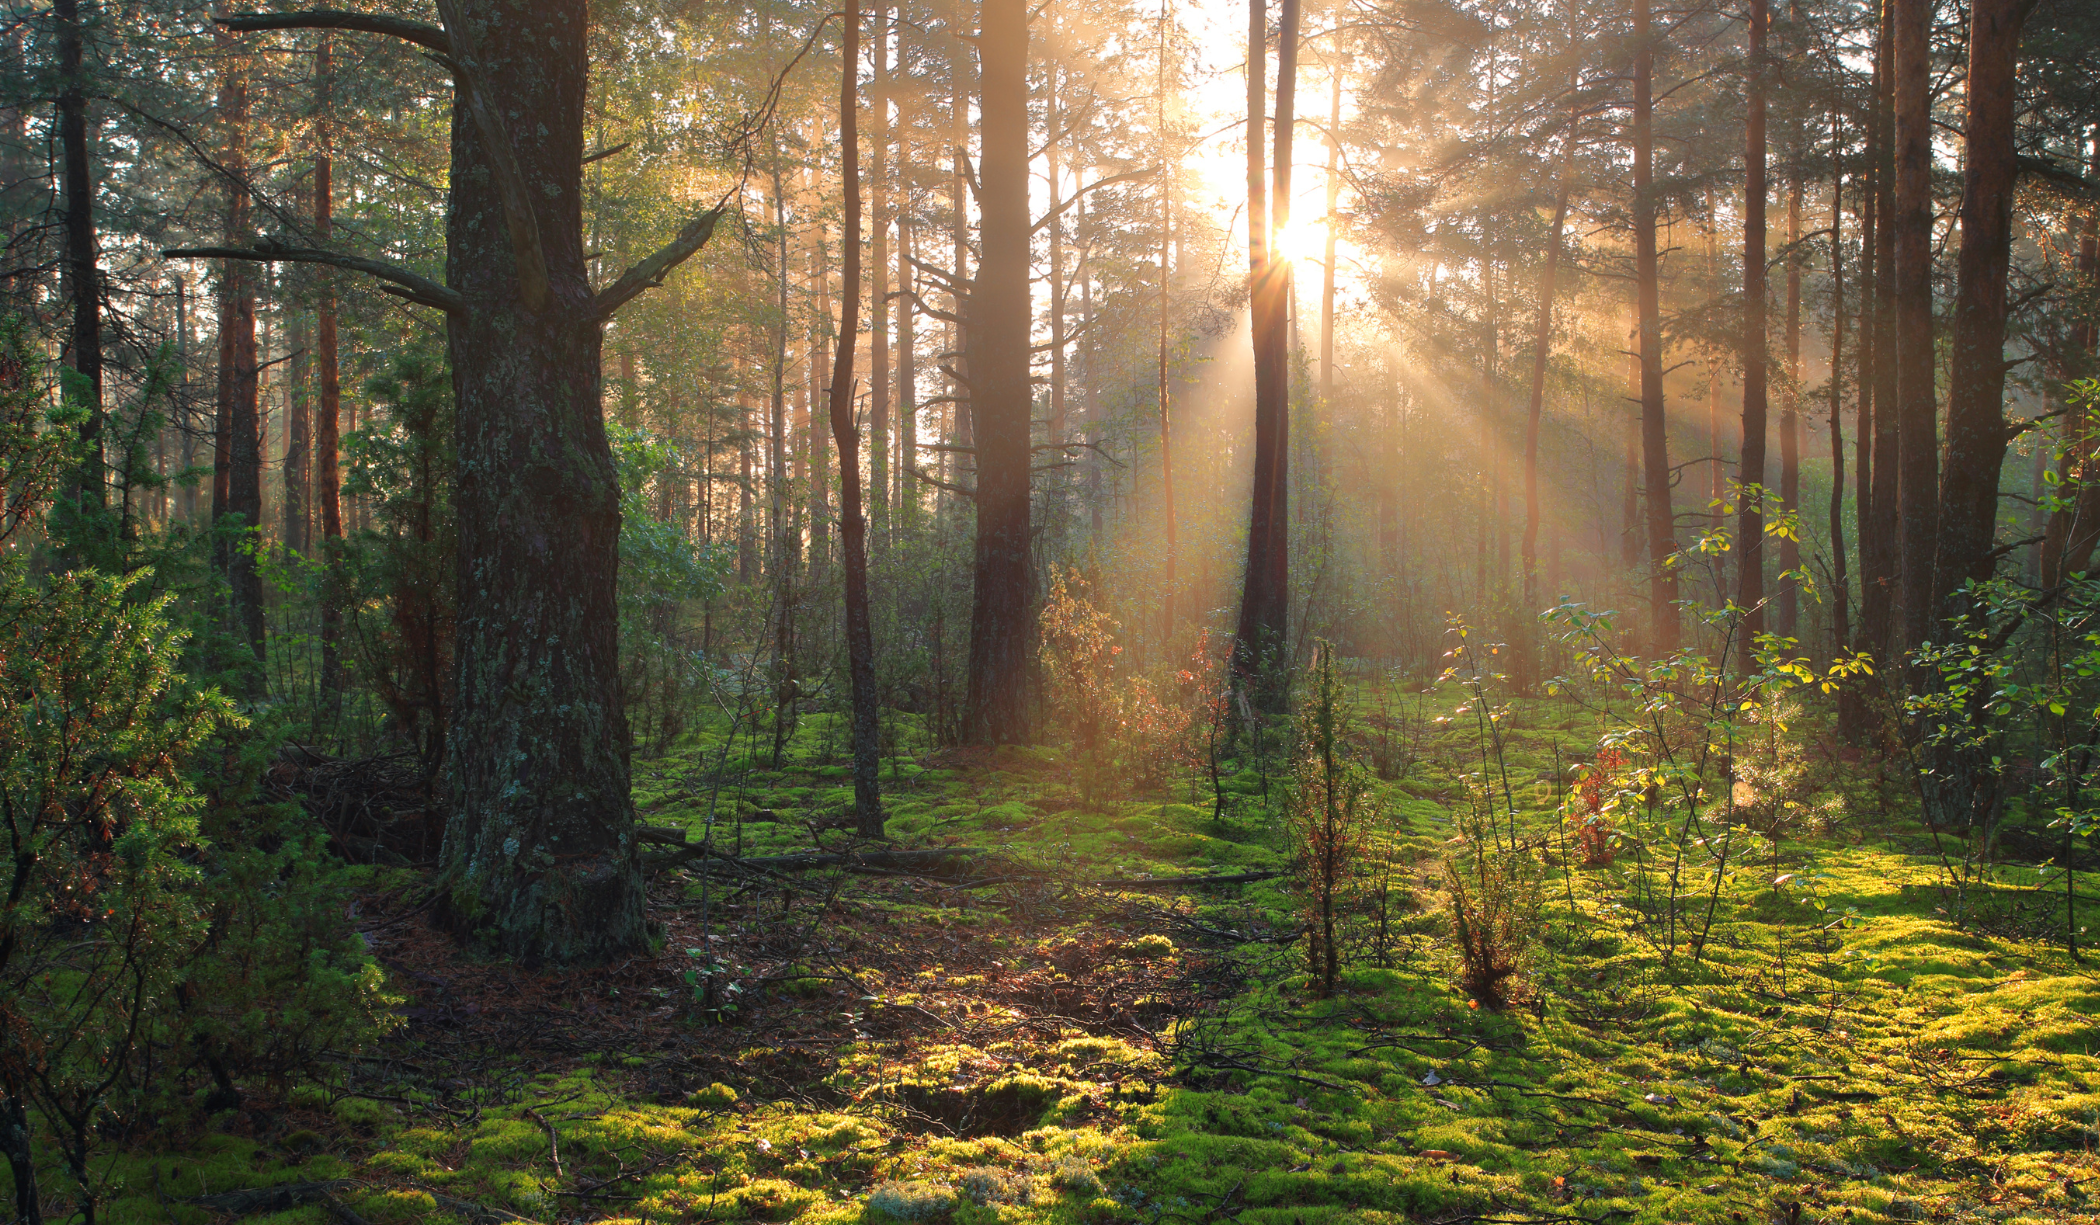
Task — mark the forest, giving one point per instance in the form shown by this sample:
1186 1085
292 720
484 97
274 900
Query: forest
1049 612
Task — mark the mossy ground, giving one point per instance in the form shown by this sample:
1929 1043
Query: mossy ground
1027 1048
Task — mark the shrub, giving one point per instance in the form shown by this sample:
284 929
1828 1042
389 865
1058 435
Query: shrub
1327 815
1125 735
911 1201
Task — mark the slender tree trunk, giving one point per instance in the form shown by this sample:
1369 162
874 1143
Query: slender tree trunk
1169 580
1632 533
1655 437
907 369
1880 533
298 444
1750 527
1333 232
1262 637
1000 315
1841 593
879 263
1917 400
82 281
328 481
1790 411
1541 353
540 852
853 526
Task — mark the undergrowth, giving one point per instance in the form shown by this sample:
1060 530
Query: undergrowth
1029 1045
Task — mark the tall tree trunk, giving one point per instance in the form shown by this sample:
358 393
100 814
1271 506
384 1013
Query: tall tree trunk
853 525
1541 353
1750 524
1655 435
540 852
907 364
1000 315
82 281
1262 638
961 87
878 303
1841 593
1790 410
1880 540
1333 228
237 475
328 481
1632 533
2067 544
1170 579
1976 431
1917 400
298 443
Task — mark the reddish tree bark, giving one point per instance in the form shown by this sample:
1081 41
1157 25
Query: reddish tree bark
1001 394
1262 635
1750 522
853 523
1917 401
1655 439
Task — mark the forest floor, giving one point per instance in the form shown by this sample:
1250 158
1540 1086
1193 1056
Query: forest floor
1021 1041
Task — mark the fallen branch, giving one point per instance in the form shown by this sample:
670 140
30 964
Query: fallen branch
281 1198
1154 882
808 861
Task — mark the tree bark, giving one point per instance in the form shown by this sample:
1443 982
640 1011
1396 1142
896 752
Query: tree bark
540 851
1655 444
1917 400
328 481
1001 394
1541 353
1880 541
298 443
1750 522
1790 410
237 488
82 278
1262 636
1171 578
853 523
877 501
1976 431
1841 593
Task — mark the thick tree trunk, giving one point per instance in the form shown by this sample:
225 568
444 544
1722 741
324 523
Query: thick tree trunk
1750 523
2067 545
1655 436
1001 394
82 281
541 849
1958 785
853 523
1917 400
1259 646
1976 431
